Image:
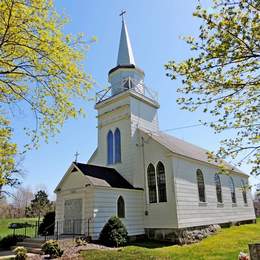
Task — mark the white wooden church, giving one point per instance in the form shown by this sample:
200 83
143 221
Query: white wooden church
155 183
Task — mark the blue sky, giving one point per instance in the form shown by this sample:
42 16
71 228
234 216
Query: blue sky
155 28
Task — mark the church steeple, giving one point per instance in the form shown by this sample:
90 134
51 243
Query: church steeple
125 53
125 75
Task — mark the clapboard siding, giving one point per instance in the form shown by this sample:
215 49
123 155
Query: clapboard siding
190 212
58 207
105 203
86 194
160 214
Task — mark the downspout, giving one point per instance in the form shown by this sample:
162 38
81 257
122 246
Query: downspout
145 190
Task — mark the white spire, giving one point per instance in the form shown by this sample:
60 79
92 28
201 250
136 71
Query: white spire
125 53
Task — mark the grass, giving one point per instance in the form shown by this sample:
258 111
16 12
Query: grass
4 223
226 244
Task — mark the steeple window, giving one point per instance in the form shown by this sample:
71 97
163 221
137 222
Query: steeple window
110 148
117 146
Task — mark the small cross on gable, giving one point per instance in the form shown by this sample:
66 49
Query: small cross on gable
76 156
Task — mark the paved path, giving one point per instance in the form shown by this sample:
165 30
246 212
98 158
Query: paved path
9 254
6 254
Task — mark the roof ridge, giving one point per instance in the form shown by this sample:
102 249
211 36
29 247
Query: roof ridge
188 149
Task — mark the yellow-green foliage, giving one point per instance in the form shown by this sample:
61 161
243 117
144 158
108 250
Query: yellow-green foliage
20 253
7 151
40 74
222 76
52 248
225 245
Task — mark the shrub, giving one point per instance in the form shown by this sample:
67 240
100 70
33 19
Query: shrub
52 248
47 224
10 240
20 253
113 233
82 241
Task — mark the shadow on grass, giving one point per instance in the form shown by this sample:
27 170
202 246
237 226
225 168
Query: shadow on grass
151 244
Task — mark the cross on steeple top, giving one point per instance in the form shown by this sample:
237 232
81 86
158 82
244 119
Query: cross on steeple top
122 14
125 53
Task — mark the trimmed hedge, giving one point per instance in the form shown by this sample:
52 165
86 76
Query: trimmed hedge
114 233
11 240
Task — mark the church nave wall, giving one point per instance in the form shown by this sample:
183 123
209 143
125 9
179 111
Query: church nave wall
192 212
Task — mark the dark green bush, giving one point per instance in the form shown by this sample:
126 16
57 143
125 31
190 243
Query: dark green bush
47 226
113 233
10 240
52 248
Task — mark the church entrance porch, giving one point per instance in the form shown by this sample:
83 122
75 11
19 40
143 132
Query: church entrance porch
73 222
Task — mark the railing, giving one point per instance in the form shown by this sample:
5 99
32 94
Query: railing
29 228
49 231
103 94
71 227
128 84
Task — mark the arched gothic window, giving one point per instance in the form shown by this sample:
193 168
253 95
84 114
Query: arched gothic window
117 146
244 188
232 190
161 182
120 207
110 149
151 183
218 188
201 186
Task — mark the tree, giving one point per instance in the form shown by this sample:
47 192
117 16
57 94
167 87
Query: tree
21 199
40 74
48 224
40 204
223 76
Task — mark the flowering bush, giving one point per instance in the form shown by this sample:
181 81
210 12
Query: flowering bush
52 248
20 253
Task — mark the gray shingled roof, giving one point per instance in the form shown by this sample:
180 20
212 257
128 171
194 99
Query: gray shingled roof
184 148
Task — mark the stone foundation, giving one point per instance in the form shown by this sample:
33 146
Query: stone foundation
191 234
137 238
181 236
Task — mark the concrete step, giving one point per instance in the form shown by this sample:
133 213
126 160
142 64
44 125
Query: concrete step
34 240
29 244
32 245
35 251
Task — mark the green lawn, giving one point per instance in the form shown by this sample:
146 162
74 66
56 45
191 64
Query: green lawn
4 223
225 245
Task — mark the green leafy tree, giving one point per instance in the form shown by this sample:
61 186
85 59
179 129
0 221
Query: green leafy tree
223 76
40 205
41 75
